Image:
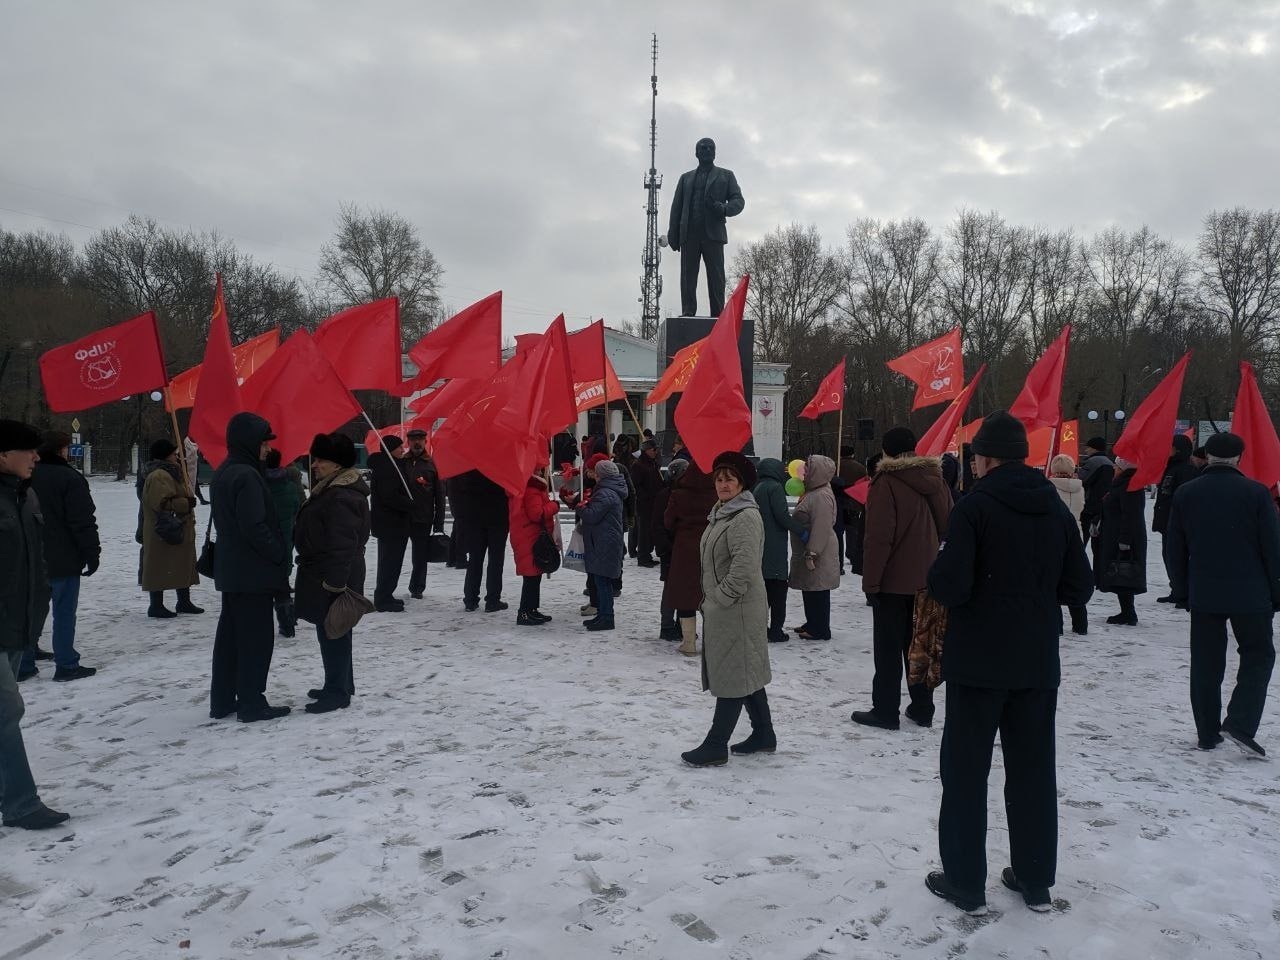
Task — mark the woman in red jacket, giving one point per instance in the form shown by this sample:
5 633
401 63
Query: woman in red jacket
530 513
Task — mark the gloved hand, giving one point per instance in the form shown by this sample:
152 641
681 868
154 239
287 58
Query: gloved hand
90 567
811 561
872 598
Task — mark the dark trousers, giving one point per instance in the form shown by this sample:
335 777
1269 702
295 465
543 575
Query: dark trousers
420 537
893 617
458 545
1025 721
242 650
18 795
698 247
1209 664
728 712
604 597
390 563
644 531
339 678
482 539
817 613
531 593
776 592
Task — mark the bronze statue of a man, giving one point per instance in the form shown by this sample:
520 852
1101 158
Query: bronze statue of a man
704 197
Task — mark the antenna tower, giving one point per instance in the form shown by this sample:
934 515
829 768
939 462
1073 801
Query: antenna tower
651 281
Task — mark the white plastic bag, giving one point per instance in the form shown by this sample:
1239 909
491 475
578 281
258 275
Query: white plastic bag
575 557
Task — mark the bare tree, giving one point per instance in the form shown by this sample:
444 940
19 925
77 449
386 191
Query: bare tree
1240 277
376 254
1058 282
795 283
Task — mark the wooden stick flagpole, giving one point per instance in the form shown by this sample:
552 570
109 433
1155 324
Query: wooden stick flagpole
177 438
382 442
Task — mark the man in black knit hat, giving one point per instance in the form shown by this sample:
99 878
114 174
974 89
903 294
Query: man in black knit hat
1011 556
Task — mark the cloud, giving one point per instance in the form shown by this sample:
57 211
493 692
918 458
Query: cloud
516 136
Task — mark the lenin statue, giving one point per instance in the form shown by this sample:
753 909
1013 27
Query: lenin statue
704 197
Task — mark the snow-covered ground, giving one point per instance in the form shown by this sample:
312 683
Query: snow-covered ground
518 793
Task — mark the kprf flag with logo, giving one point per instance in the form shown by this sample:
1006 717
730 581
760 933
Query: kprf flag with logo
830 395
107 365
937 367
677 375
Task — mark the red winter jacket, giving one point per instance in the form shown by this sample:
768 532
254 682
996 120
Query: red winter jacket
530 513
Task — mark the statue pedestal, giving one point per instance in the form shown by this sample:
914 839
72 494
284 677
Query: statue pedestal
679 332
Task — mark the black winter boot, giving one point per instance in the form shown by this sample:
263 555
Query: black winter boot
762 739
287 618
158 610
714 750
184 602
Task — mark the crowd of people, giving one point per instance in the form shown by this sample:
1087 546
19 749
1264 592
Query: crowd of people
966 562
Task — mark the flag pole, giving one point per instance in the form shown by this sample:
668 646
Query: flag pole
177 438
382 442
839 431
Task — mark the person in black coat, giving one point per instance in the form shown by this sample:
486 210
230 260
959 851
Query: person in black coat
483 505
646 477
1178 471
248 571
662 544
427 515
1120 558
391 507
1224 565
330 533
1011 557
1096 471
71 550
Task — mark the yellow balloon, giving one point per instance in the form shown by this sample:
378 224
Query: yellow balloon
796 469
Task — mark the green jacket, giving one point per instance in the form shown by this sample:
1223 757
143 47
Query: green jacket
735 610
771 497
24 586
285 484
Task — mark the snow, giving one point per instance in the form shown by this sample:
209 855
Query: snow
496 791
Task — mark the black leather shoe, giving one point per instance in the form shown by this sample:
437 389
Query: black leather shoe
41 818
63 674
43 654
539 615
919 718
186 606
973 904
493 606
160 613
525 618
265 713
1036 898
220 714
1246 743
328 704
869 718
599 623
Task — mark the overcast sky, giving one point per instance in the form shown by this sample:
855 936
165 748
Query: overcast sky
515 135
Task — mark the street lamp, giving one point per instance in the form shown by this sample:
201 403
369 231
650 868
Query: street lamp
1106 417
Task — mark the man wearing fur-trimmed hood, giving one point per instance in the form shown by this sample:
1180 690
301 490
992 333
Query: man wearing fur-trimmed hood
907 508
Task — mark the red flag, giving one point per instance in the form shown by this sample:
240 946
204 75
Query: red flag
373 444
470 439
1148 435
542 401
829 396
444 400
937 368
676 377
248 357
941 437
587 355
1069 439
1040 402
592 393
300 395
363 344
713 415
218 393
468 344
1252 424
107 365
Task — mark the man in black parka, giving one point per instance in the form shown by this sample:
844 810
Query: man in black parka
1224 565
248 572
1011 559
391 508
1177 471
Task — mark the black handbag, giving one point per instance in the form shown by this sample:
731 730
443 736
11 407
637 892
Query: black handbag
438 548
204 563
546 555
169 527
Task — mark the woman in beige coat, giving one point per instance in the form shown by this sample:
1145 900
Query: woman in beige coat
815 554
735 616
168 566
1062 474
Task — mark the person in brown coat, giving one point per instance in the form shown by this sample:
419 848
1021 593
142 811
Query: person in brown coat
907 509
688 507
815 553
167 565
